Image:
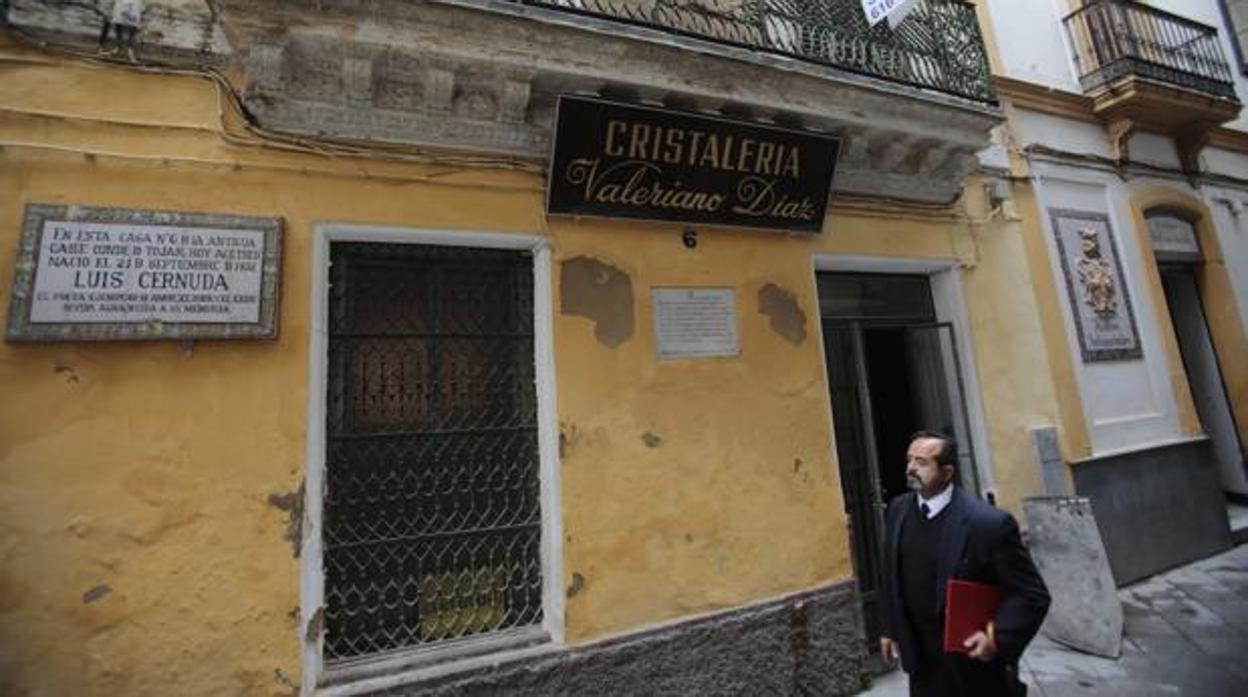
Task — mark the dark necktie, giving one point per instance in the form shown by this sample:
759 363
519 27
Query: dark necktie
925 510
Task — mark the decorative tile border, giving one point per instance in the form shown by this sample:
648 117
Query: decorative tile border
108 270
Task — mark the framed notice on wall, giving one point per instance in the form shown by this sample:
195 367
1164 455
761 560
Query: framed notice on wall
114 274
695 322
1099 301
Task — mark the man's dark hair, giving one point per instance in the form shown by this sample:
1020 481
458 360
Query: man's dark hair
948 455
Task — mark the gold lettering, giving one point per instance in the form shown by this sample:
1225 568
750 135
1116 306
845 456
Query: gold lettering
790 163
611 147
674 140
726 161
743 157
695 139
641 138
710 155
766 151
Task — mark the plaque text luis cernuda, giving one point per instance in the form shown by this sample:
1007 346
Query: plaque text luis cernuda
93 272
625 161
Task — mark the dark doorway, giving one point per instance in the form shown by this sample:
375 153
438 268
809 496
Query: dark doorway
892 398
1204 375
892 370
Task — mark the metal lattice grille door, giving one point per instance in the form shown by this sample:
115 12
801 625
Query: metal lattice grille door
432 522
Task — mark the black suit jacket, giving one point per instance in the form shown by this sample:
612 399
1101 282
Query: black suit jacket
978 543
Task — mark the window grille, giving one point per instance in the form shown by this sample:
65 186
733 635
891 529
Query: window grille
432 523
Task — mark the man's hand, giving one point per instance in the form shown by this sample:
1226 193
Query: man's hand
982 647
889 650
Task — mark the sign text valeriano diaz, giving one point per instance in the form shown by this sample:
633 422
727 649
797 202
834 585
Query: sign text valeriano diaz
623 161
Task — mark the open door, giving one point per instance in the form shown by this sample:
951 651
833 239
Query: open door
886 381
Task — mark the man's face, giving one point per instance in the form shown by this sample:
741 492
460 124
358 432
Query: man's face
922 473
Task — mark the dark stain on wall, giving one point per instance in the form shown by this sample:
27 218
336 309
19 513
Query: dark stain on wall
787 318
578 583
96 593
316 624
292 503
599 292
71 375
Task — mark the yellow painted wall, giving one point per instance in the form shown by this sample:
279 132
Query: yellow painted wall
1009 331
148 467
740 500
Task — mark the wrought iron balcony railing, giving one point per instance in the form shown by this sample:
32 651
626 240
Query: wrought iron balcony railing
1113 39
938 46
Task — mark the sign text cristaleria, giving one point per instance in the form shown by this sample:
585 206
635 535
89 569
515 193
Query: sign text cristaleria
623 161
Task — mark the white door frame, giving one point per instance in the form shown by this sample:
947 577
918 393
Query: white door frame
312 582
950 306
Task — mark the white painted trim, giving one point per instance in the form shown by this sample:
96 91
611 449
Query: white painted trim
950 307
406 666
311 581
379 683
311 576
865 264
950 301
1140 448
1108 433
554 596
351 232
1120 419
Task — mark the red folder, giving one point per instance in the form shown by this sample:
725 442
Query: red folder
969 607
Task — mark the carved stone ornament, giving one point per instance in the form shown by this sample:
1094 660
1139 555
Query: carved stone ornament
494 88
1099 289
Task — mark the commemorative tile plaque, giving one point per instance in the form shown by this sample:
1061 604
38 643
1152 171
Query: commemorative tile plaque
623 161
97 274
1099 301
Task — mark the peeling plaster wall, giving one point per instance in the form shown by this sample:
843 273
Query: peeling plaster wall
149 492
1014 373
705 508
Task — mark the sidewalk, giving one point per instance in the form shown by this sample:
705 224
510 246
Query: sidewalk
1186 634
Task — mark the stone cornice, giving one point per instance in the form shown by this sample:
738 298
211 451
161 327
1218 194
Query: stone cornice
484 76
1037 97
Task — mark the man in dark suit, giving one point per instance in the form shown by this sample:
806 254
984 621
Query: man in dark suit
938 532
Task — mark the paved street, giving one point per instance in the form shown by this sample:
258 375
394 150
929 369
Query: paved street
1186 634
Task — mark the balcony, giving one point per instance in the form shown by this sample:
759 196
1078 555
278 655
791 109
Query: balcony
1145 67
938 47
912 104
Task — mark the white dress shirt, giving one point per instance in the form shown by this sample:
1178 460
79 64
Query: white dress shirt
937 503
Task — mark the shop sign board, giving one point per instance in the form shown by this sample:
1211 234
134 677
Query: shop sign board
113 274
617 160
1096 286
695 322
